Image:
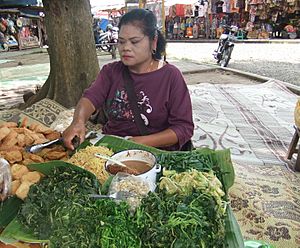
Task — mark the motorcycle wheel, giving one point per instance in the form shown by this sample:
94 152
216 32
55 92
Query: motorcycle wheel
103 45
226 56
4 47
105 48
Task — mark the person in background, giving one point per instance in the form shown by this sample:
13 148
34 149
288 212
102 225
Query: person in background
162 94
96 30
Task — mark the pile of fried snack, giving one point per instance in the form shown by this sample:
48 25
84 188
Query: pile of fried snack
13 140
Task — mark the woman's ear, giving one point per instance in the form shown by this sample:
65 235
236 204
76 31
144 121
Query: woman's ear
154 43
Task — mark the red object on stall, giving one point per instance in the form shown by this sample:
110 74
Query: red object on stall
180 10
189 32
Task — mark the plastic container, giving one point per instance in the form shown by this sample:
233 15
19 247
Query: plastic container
256 244
5 179
129 188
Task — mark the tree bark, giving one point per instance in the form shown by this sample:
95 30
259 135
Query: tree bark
73 59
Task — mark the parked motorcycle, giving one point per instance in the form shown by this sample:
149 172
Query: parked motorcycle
225 46
107 38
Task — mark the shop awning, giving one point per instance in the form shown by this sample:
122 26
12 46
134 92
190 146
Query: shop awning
17 3
173 2
97 5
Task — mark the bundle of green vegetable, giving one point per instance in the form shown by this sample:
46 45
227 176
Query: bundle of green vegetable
60 209
187 210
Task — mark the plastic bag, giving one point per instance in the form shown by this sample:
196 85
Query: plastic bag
129 188
5 179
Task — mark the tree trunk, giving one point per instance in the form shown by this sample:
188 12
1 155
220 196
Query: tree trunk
73 58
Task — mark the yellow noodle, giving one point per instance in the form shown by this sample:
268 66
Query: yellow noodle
86 159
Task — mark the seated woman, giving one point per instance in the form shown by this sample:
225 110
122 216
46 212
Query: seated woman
162 95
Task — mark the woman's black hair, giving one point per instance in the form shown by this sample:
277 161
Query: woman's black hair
146 20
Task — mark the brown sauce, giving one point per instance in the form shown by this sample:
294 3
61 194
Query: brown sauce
134 167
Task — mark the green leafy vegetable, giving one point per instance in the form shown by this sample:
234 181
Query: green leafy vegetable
60 209
177 220
187 208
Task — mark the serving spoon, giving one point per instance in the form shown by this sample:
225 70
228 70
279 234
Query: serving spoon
115 161
124 167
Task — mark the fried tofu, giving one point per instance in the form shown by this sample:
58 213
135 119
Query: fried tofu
23 190
32 176
18 170
14 186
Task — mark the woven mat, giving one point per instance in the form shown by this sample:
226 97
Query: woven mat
45 111
256 123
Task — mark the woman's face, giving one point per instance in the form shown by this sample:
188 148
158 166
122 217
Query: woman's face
134 46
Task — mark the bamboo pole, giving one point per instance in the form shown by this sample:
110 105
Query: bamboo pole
163 17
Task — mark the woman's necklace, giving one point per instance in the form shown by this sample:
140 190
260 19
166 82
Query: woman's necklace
150 66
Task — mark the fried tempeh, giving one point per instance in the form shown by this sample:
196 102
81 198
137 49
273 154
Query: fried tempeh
21 139
54 155
4 132
8 124
10 139
8 148
36 158
13 156
43 129
53 135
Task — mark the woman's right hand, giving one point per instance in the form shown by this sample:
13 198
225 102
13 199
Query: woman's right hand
74 130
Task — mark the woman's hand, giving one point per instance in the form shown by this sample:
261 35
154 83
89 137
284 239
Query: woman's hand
162 139
75 129
83 111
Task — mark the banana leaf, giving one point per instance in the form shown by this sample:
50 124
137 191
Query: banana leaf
15 232
233 235
223 160
8 210
119 144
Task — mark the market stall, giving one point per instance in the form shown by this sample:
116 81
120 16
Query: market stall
74 199
21 27
255 19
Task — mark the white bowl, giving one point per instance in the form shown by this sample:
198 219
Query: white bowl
143 156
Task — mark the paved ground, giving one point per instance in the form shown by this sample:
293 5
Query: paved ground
279 61
276 60
23 70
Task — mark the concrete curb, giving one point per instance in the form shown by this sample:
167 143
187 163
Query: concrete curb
294 88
